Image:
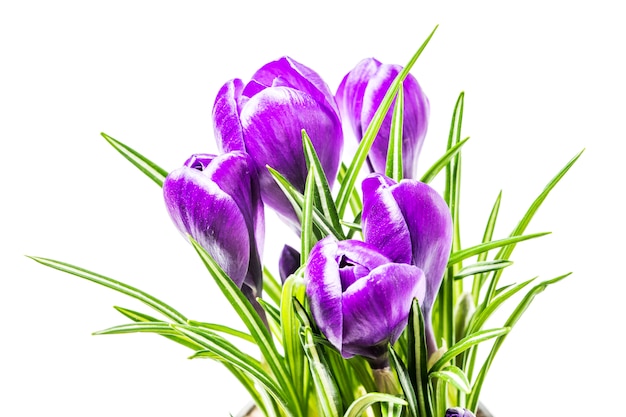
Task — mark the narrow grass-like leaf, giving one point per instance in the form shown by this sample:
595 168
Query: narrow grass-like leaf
347 185
454 376
482 267
324 195
356 205
442 162
307 240
254 324
511 321
273 319
405 382
505 252
222 329
466 343
484 312
479 280
141 317
290 325
361 404
152 170
220 349
297 200
417 359
153 302
271 287
327 392
394 151
157 327
483 247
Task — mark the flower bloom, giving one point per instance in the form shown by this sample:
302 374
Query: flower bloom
458 412
216 200
359 298
360 94
288 262
409 222
265 118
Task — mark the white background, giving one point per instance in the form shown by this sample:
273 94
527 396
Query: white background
543 79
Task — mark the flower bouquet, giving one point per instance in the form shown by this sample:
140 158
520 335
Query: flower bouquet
379 311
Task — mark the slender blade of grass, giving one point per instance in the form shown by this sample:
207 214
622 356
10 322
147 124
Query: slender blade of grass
394 168
361 404
483 247
152 170
347 185
153 302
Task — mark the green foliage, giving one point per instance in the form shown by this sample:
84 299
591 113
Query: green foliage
296 371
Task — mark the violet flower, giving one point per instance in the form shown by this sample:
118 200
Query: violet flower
265 118
359 298
288 263
360 94
216 200
409 222
459 412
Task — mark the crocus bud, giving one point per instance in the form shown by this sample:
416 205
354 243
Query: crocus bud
265 118
410 223
288 262
216 200
459 412
359 298
360 94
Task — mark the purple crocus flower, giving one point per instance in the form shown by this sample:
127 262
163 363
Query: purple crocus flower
216 200
409 222
359 298
265 118
360 94
288 263
459 412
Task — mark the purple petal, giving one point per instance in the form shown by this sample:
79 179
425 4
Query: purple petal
430 225
376 308
324 291
226 124
384 225
198 207
235 174
458 412
288 263
293 74
272 122
350 93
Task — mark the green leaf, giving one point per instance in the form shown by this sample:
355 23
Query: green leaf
307 240
220 349
458 256
361 404
347 185
479 280
405 382
324 195
153 302
511 321
505 252
222 329
442 162
297 201
271 287
328 397
482 267
152 170
294 288
417 359
466 343
253 322
454 376
484 312
356 205
394 151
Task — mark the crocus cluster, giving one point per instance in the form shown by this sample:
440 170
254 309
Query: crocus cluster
360 291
